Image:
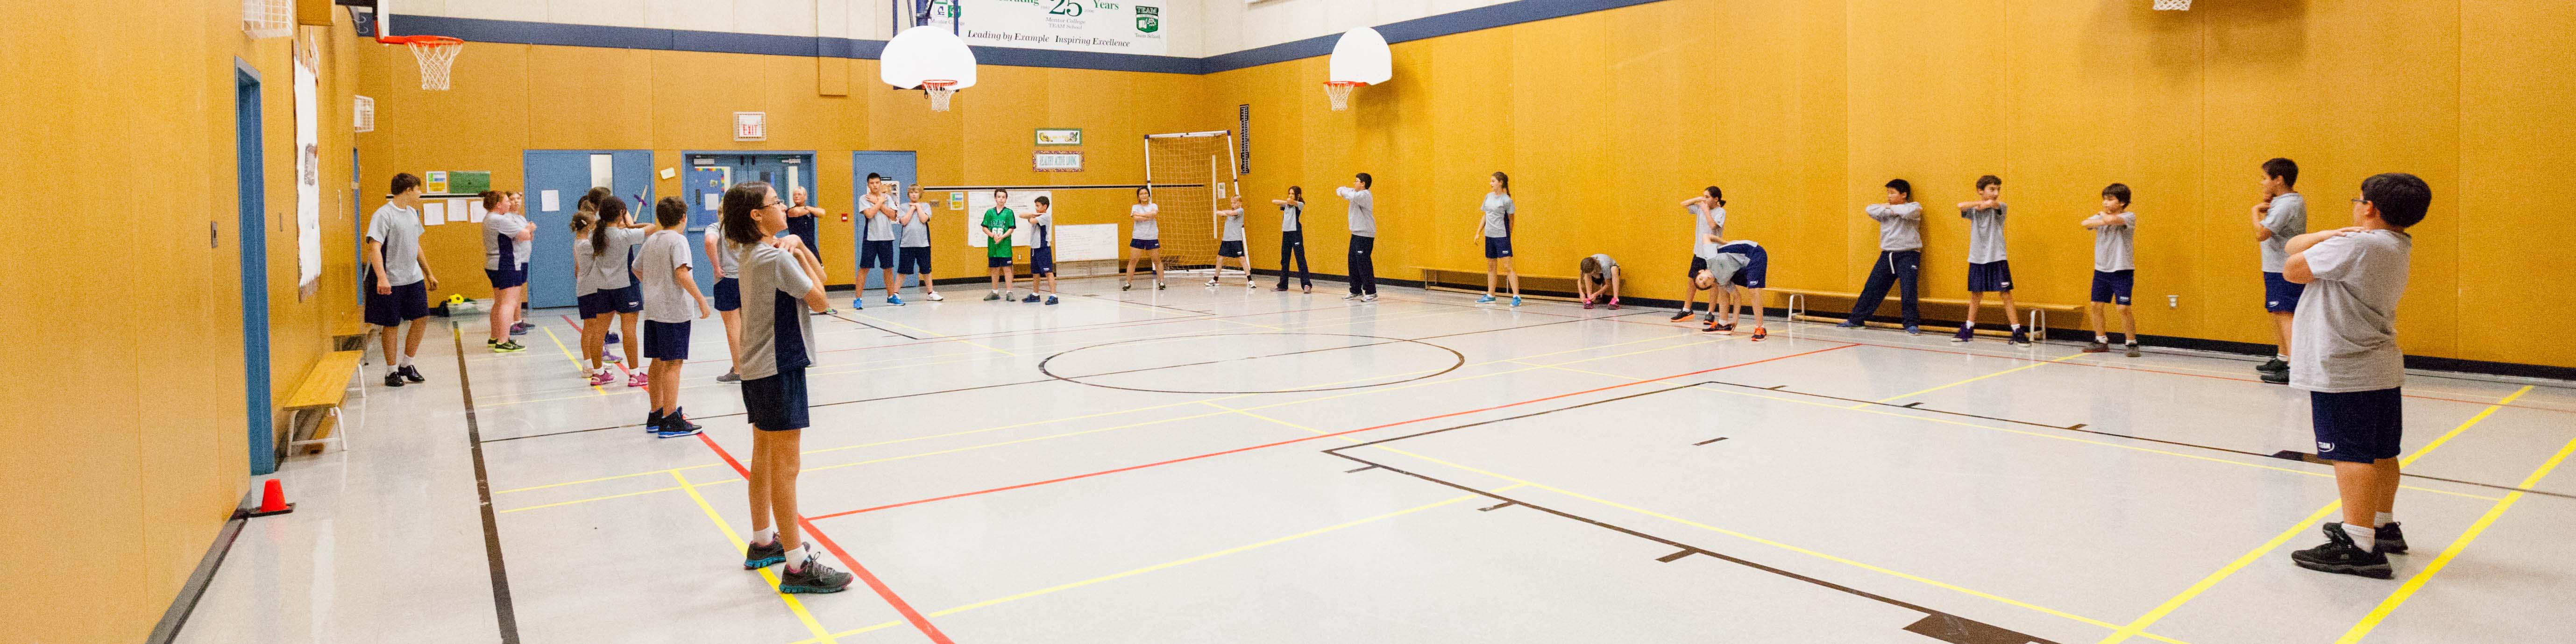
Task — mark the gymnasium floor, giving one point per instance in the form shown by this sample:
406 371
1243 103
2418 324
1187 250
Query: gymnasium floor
1202 465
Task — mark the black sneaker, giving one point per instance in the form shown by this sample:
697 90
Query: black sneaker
412 373
2097 347
1963 335
673 426
2274 365
2391 540
756 556
652 421
1848 324
815 578
2020 336
393 378
682 414
1683 314
2340 555
2275 377
2133 350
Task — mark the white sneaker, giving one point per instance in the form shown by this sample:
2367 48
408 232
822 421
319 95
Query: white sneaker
1352 296
935 297
1372 297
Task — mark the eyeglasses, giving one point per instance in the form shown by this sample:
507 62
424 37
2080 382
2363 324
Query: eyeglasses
773 203
2360 200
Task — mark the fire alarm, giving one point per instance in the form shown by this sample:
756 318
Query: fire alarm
845 218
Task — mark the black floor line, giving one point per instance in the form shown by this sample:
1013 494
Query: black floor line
1459 360
1962 630
501 607
907 336
2080 427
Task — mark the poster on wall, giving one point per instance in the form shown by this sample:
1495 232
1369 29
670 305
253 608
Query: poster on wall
1071 25
308 169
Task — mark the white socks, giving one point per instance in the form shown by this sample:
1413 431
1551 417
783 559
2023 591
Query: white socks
2364 536
406 360
2384 518
2286 358
1971 326
2101 339
796 558
764 537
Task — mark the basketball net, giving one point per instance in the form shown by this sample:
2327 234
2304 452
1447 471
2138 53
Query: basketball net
939 91
435 54
1340 92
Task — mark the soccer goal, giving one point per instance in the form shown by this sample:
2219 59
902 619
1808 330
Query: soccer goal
1191 174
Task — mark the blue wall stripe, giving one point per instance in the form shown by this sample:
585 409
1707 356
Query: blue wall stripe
548 33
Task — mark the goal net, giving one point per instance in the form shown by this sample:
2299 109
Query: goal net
1191 174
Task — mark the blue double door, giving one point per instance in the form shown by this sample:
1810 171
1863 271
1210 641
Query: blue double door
709 174
566 175
895 165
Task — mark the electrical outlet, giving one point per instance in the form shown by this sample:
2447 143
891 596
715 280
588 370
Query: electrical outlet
2173 301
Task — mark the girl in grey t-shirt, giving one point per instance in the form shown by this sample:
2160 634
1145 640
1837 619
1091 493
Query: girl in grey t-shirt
1495 228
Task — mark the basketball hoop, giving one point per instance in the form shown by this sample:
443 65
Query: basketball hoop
939 91
1340 92
435 53
2173 5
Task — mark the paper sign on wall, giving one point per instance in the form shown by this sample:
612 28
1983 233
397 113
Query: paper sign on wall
548 201
433 213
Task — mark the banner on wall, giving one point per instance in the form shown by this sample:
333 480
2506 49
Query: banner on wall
308 167
1070 25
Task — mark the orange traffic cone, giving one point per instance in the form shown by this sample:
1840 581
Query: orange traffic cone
272 500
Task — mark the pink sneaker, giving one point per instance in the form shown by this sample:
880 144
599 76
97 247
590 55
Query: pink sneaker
1587 303
1614 304
601 377
637 379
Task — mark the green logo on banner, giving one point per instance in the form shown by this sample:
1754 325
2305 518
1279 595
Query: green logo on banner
1148 19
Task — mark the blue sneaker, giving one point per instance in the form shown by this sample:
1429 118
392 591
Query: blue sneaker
1031 299
612 338
1848 325
1485 300
1516 300
1913 330
896 300
1050 300
858 304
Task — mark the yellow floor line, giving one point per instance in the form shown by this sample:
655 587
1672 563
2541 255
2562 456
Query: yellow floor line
2033 365
2309 523
2425 576
1168 564
793 605
577 366
595 498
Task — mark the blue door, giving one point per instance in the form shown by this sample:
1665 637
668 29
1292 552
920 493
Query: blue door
703 186
252 229
894 165
710 173
568 174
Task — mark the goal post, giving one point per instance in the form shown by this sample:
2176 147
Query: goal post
1191 174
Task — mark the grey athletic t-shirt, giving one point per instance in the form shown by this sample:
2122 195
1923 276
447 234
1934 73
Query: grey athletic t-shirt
2288 218
1146 228
1498 208
1900 227
1288 215
1608 266
1700 245
1233 225
2344 336
916 234
1363 215
664 300
776 331
1042 224
2115 244
881 220
728 264
497 230
397 229
1723 266
595 271
1985 233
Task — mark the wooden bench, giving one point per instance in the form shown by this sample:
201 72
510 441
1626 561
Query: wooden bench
1536 287
348 335
319 396
2037 313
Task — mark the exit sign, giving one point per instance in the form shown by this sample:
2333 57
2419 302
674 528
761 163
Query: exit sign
750 126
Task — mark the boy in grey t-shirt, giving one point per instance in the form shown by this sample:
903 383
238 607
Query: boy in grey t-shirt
1362 258
2115 266
1900 258
2345 355
1988 270
2282 215
398 276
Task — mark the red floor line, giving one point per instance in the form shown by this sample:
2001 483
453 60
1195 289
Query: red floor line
1314 437
883 592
